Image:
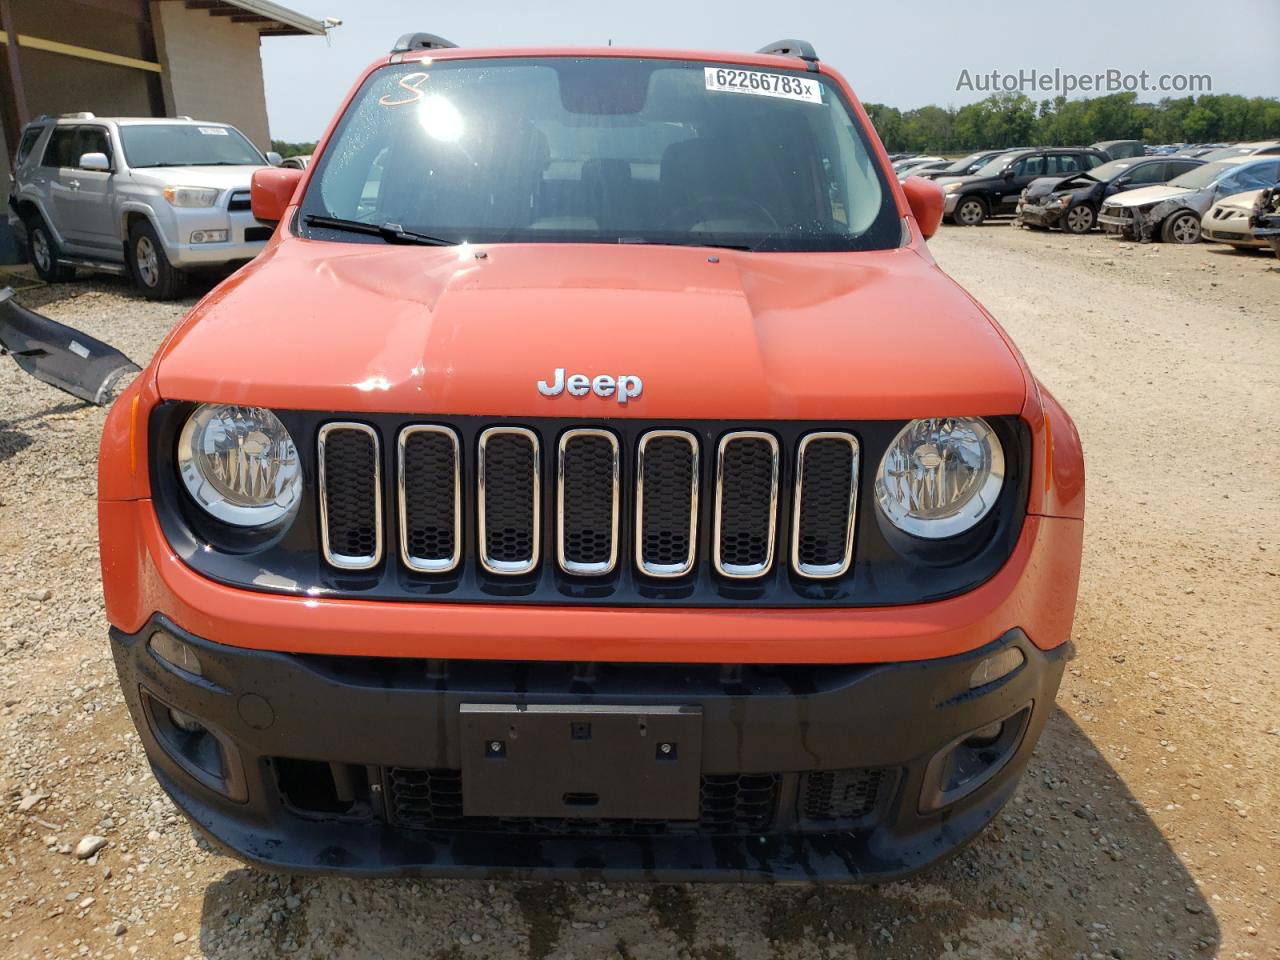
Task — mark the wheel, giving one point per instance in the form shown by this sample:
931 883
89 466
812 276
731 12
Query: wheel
152 272
1181 227
970 212
42 251
1078 218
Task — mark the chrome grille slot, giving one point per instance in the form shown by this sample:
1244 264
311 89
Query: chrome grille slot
746 516
509 501
587 502
350 495
826 499
666 503
429 489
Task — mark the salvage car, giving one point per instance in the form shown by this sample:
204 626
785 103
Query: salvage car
1121 149
573 511
1072 203
1228 221
962 167
156 199
1265 219
995 188
1172 212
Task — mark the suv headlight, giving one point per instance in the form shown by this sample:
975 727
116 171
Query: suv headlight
192 196
941 476
240 464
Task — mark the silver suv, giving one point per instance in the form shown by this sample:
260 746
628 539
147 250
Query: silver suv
158 198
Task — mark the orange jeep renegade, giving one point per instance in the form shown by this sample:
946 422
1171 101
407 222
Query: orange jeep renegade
595 476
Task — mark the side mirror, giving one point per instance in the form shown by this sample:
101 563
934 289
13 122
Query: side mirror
925 198
1006 173
271 190
94 161
274 158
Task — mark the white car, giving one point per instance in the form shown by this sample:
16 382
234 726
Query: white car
1173 210
1228 222
154 198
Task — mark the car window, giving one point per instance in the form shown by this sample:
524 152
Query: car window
1032 166
1178 167
1064 163
27 144
186 145
1093 160
61 149
91 140
605 150
1148 173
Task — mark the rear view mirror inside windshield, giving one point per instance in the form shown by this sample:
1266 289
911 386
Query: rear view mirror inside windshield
604 87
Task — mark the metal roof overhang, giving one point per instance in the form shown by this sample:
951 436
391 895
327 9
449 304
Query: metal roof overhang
270 19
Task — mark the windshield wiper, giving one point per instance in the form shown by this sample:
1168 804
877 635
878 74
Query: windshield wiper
645 241
390 232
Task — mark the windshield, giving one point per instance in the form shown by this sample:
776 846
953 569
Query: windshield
964 163
186 145
603 150
1204 176
993 167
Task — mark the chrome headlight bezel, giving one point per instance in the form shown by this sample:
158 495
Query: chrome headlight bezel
981 494
212 493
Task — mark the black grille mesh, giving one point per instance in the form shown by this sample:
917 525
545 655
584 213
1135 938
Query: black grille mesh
746 502
432 800
508 498
429 470
824 502
588 500
841 794
350 459
668 501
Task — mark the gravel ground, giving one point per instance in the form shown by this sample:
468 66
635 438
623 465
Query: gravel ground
1145 828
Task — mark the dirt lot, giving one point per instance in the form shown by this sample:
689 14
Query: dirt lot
1147 826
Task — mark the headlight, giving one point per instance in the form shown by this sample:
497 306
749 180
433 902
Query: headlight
1064 200
939 477
191 196
952 187
240 464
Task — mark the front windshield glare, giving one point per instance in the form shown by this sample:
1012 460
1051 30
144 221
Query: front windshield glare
1202 176
603 150
185 145
994 167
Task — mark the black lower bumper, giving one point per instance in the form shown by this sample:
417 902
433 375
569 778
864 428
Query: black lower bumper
1047 216
810 773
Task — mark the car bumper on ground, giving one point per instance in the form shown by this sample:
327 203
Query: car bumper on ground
376 766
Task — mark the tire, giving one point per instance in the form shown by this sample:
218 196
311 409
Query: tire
43 252
1078 218
970 212
154 275
1181 227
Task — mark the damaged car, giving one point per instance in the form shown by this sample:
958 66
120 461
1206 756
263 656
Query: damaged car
995 188
1228 221
1265 220
1072 203
1172 212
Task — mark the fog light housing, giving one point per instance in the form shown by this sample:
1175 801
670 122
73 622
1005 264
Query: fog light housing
970 761
209 236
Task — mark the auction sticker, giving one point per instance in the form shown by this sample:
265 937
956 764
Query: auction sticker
213 131
787 86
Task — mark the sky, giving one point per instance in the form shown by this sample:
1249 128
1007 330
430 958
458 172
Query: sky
902 54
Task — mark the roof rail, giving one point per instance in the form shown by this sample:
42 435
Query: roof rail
792 48
421 41
80 115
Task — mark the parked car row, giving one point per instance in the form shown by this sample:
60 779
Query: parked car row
156 199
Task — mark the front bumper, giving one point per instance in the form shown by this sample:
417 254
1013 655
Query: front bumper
246 237
1041 216
807 773
949 202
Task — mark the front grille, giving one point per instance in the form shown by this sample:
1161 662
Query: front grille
510 522
240 200
828 795
257 234
430 498
825 504
666 502
730 804
746 503
350 495
587 514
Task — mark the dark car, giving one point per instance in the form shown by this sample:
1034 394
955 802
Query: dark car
965 165
1121 149
1072 203
994 189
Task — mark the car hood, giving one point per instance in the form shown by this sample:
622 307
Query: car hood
221 178
1043 186
714 334
1240 201
1145 195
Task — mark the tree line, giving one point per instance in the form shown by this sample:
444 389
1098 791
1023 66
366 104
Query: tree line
1015 120
287 149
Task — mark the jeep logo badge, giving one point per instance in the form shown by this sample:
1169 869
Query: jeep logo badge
624 387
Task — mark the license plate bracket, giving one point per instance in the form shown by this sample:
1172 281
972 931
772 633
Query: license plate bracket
581 761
